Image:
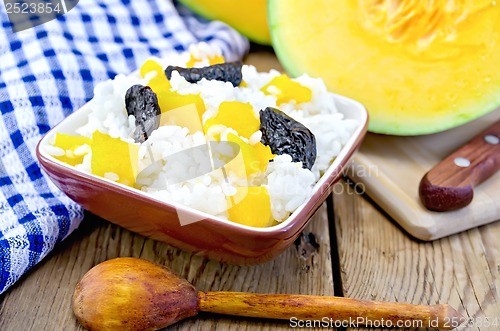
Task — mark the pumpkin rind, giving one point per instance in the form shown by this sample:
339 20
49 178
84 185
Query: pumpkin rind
417 69
247 16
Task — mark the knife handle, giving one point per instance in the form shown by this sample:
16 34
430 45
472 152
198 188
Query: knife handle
450 184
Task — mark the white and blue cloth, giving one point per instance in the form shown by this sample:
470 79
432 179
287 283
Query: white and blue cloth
49 71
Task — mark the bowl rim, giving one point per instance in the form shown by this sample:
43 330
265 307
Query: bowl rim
322 186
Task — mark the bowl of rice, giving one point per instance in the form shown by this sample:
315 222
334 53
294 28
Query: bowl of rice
211 157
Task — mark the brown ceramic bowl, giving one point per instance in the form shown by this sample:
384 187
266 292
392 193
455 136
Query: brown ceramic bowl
212 237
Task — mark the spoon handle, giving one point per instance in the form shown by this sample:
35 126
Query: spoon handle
329 310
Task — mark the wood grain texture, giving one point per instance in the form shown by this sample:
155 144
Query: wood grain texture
335 308
42 299
380 261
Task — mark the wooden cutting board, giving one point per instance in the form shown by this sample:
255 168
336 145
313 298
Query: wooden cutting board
389 169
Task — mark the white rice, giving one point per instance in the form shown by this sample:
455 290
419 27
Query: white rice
289 184
109 114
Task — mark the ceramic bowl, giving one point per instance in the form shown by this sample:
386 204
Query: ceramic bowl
211 237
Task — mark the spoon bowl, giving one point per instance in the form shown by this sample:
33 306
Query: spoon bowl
132 294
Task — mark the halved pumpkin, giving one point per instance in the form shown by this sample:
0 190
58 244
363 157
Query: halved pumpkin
247 16
418 66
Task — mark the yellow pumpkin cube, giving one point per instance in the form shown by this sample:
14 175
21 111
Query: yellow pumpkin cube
114 158
216 59
236 115
250 206
285 89
69 144
176 110
159 83
255 157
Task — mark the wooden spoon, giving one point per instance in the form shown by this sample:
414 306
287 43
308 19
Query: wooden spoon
135 294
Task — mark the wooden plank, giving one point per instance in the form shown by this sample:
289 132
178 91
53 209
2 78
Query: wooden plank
379 261
42 299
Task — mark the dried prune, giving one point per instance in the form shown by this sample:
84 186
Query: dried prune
141 101
284 135
226 72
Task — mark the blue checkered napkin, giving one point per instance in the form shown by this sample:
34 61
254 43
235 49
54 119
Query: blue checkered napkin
47 72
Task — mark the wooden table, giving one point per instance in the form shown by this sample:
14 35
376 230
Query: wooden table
351 248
